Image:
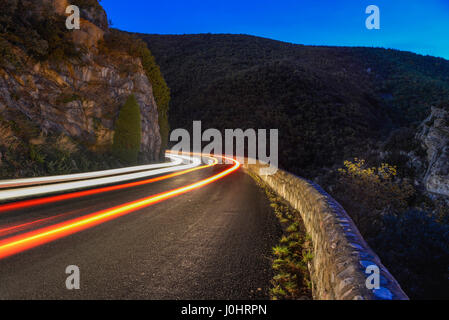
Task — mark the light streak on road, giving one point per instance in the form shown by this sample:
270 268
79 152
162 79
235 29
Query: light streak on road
12 194
4 184
4 231
39 237
73 195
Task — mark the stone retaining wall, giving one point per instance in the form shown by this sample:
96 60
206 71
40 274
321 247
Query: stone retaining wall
341 255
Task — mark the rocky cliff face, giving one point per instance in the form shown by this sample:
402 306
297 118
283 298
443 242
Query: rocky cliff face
434 136
78 99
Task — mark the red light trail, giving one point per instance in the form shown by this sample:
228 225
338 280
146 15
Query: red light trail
67 196
17 244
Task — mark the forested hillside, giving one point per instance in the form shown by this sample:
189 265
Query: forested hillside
329 103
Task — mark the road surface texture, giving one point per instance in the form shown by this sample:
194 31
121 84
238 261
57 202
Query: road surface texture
211 243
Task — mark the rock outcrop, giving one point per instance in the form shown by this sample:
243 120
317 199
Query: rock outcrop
89 35
93 12
59 6
434 136
76 98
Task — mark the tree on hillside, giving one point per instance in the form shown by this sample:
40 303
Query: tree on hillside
128 132
161 93
120 41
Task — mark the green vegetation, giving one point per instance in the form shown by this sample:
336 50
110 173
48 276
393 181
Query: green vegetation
370 192
36 156
328 103
86 3
54 155
42 36
128 132
293 253
161 94
118 41
412 243
415 247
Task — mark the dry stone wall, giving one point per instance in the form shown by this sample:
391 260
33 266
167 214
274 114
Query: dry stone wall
341 255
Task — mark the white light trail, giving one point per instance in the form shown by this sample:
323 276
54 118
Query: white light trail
25 192
5 184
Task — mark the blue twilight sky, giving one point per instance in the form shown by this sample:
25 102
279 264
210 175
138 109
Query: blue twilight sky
413 25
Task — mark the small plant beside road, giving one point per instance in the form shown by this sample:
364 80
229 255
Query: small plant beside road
291 280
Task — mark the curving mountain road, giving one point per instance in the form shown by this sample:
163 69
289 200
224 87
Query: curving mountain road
212 242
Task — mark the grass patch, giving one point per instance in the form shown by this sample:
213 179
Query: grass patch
291 280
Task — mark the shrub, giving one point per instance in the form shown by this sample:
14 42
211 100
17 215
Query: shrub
415 247
42 37
368 193
402 139
161 93
86 3
36 156
128 132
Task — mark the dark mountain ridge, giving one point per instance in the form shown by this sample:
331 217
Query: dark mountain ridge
330 103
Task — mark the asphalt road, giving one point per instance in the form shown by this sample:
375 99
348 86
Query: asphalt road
211 243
